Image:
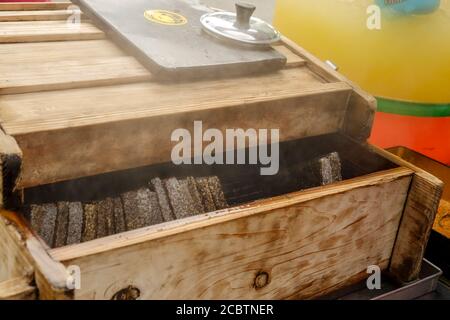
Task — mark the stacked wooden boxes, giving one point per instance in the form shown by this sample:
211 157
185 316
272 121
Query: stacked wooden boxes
75 109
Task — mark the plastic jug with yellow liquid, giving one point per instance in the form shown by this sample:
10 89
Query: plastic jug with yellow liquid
398 50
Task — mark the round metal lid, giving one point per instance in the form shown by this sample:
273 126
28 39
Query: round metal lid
240 26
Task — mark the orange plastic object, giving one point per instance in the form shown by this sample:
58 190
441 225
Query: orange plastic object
429 136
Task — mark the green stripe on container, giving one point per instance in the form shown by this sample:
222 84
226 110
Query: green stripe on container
413 109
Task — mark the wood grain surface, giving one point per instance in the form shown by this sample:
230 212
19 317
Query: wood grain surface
305 247
30 6
17 289
417 220
108 123
38 15
38 31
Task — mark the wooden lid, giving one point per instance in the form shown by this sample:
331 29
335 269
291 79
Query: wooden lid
78 106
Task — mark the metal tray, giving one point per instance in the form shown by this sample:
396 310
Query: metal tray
427 283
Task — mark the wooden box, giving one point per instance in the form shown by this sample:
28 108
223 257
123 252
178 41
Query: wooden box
80 117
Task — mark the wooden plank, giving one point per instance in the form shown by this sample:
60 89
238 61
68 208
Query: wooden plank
73 71
37 31
30 253
13 260
303 242
58 51
38 15
65 64
115 143
51 110
15 6
146 115
174 227
68 74
417 220
415 228
17 289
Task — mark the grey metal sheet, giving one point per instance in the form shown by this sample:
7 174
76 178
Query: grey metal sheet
427 283
179 49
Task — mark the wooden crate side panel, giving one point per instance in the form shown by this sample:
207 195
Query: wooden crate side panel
51 156
417 220
415 228
300 251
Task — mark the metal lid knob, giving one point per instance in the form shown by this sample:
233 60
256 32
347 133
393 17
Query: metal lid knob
244 12
240 27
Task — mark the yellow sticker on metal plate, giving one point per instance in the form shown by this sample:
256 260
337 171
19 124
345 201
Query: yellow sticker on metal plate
165 17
